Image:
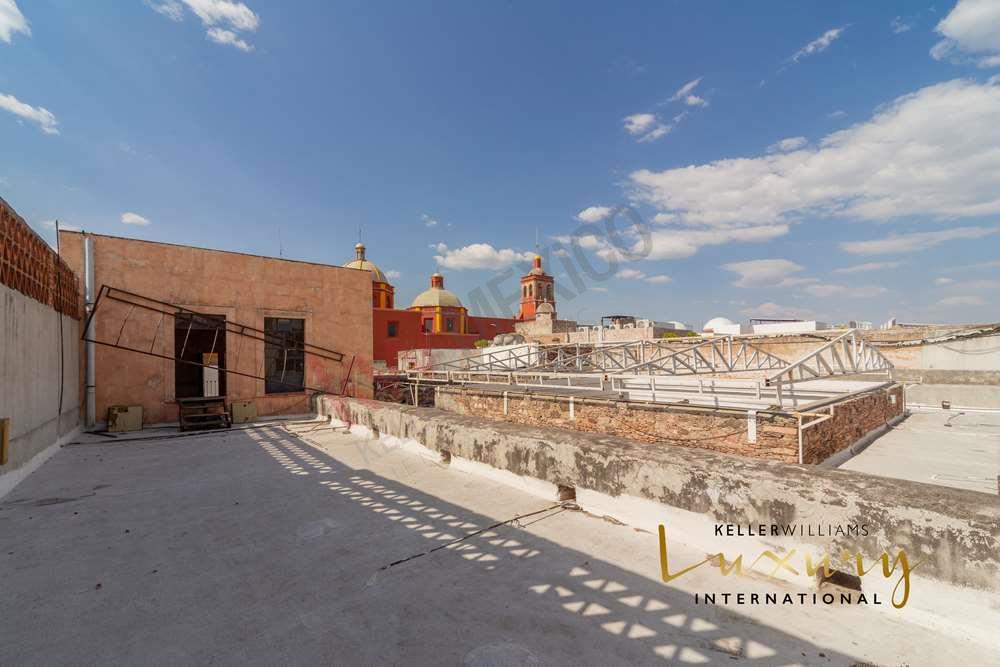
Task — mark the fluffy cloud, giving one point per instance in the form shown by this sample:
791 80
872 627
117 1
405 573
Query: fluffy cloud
595 214
819 44
771 309
645 127
428 221
788 145
478 256
223 20
943 281
221 36
972 28
392 273
12 20
900 243
130 218
45 119
765 273
953 301
629 274
899 26
635 274
868 266
823 291
929 153
635 244
686 95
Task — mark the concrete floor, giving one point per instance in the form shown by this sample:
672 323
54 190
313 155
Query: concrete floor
948 448
261 546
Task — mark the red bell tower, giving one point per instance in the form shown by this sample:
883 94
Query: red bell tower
537 287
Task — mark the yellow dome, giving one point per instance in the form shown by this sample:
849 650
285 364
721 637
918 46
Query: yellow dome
437 295
359 262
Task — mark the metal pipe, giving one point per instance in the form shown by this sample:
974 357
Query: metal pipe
89 347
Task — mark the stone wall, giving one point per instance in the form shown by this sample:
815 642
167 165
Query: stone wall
718 430
850 421
956 533
660 425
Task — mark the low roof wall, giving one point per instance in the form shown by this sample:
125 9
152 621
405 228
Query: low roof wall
954 533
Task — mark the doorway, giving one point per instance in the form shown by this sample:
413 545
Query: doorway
196 339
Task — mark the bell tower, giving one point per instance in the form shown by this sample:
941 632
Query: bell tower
537 287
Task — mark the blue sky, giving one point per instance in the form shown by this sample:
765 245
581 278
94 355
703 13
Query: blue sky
825 160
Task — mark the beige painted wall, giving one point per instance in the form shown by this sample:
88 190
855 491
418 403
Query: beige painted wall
33 367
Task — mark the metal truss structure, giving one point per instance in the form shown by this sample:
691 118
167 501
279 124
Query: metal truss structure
654 371
657 357
141 337
847 354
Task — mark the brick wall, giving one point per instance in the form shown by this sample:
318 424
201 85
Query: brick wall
850 422
716 430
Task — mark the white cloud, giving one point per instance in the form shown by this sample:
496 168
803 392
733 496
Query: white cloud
972 28
788 145
629 274
172 9
658 244
952 301
223 20
560 252
930 153
126 147
428 221
658 279
12 20
771 309
898 25
914 242
598 289
130 218
595 214
685 94
943 281
45 119
978 266
392 273
478 256
868 266
685 90
839 113
765 273
221 36
224 12
823 290
819 44
645 127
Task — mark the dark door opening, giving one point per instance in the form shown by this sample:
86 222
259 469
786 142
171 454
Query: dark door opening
194 337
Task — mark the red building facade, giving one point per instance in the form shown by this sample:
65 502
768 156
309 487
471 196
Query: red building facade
435 320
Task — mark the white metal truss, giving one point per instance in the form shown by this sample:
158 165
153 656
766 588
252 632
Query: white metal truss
656 357
847 354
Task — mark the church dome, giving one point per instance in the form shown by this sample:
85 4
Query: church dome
359 262
437 295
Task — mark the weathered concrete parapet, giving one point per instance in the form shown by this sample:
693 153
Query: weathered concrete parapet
955 533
